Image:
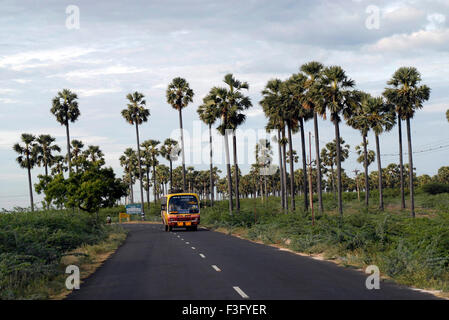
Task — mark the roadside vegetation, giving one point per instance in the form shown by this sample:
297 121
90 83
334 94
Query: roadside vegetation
413 252
35 248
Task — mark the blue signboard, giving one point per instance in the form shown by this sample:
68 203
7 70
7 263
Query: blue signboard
135 208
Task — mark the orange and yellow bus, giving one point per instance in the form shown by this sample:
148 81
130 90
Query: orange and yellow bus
180 210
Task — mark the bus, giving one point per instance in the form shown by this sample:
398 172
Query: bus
180 210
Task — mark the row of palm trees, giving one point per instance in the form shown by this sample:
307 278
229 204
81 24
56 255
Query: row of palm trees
41 151
318 91
315 91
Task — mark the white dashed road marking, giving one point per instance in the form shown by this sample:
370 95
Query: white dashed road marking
241 293
193 248
216 268
202 256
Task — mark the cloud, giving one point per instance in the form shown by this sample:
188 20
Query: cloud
96 92
41 58
424 40
92 73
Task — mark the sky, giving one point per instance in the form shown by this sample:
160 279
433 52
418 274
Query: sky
103 50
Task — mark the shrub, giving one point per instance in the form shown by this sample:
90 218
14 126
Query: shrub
435 188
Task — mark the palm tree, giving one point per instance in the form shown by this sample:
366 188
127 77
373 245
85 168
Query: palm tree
65 108
129 161
44 149
406 93
58 166
329 158
153 152
208 113
296 114
339 99
179 95
77 152
170 151
136 114
366 157
315 103
271 101
27 158
381 118
94 154
360 121
237 103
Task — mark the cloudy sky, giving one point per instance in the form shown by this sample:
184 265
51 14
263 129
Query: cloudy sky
123 46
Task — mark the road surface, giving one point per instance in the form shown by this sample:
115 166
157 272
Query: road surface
207 265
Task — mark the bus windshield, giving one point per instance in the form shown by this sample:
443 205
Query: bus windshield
183 204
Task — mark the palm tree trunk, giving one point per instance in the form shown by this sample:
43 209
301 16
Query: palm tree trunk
182 149
140 169
68 146
284 172
337 138
333 182
292 171
401 163
379 168
304 164
228 167
211 182
46 169
281 170
365 165
410 169
30 185
171 175
154 181
148 187
318 162
236 167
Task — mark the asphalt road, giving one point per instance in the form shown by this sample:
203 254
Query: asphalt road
206 265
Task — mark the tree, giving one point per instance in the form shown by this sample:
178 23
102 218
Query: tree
136 114
381 118
65 108
27 158
237 103
366 157
314 102
329 158
88 190
272 98
360 121
151 147
339 99
129 161
406 93
58 166
77 152
170 151
208 113
94 154
179 95
294 98
447 115
44 149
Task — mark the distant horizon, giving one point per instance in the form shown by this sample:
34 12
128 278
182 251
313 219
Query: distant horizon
142 45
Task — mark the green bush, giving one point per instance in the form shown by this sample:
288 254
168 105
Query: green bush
435 188
32 244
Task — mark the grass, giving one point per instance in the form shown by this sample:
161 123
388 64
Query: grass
414 252
34 249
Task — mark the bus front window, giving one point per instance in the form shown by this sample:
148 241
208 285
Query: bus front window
183 204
